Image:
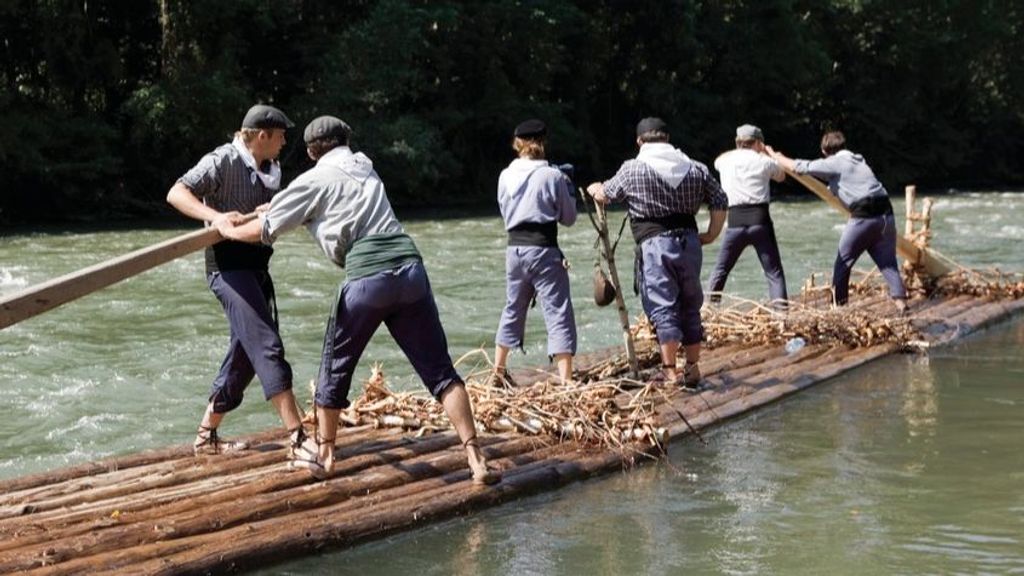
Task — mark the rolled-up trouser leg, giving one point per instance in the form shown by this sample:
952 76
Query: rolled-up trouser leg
256 346
858 235
883 252
670 287
415 325
519 291
734 242
551 281
763 237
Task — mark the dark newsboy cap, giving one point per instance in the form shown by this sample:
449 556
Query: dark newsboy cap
325 127
651 124
262 116
531 128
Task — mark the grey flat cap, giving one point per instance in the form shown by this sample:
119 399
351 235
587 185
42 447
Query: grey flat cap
264 116
749 132
651 124
323 127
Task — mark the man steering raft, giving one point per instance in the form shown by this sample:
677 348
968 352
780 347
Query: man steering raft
343 205
663 189
238 178
871 227
535 197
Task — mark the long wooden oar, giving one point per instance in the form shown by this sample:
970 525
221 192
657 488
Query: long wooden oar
933 263
45 296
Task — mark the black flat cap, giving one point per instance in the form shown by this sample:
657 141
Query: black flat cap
531 128
651 124
324 127
263 116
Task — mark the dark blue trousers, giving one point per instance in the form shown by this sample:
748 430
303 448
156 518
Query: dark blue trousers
670 286
877 237
401 299
762 238
256 348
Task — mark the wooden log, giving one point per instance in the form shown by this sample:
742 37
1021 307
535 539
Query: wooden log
775 387
348 529
219 489
349 517
206 519
135 480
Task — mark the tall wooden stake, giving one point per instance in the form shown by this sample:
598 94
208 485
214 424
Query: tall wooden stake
620 303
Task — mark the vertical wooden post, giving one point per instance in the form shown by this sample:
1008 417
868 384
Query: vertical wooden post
911 192
620 303
926 220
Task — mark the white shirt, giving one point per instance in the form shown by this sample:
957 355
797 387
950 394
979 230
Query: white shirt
746 175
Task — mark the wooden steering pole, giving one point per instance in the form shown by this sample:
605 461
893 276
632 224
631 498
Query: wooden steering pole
37 299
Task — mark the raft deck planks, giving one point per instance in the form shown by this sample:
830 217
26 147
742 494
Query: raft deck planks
167 512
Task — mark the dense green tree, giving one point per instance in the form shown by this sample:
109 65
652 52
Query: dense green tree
105 102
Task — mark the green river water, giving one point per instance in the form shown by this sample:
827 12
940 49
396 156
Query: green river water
910 465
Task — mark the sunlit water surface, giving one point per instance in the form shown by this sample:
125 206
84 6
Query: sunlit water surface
909 465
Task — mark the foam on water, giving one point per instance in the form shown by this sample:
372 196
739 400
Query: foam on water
9 281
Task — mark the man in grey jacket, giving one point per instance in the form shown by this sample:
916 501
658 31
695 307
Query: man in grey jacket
871 227
342 203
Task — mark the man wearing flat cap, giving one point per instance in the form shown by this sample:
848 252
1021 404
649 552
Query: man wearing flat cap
534 198
663 190
234 179
746 173
342 203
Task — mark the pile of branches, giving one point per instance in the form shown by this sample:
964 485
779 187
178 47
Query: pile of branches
588 410
752 323
993 284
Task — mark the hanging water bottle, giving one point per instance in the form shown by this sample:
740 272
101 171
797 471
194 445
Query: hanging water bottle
794 345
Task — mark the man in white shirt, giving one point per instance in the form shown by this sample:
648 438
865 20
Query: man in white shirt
746 174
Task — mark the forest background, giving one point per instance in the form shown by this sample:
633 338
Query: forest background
104 103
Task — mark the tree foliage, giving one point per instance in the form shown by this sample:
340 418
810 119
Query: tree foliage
104 103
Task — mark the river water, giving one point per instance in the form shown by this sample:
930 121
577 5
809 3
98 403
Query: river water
910 465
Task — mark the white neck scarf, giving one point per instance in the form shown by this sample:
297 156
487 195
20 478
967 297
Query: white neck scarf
271 180
669 162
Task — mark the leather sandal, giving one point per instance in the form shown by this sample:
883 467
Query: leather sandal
483 476
691 379
305 454
207 442
501 380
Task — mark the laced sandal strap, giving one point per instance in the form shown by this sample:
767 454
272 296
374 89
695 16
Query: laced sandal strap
321 440
471 441
668 366
209 438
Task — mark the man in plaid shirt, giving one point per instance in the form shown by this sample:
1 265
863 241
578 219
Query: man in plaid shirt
663 190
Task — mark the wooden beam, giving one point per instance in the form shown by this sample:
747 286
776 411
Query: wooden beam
37 299
933 263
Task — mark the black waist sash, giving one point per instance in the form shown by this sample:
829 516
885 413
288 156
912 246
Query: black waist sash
871 206
534 234
749 215
644 228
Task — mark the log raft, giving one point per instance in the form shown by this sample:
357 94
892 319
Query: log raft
167 512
